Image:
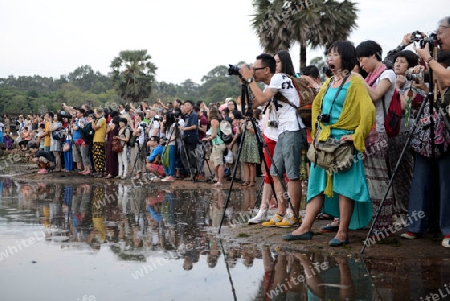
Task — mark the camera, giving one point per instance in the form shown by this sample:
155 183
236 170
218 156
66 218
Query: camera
325 118
413 77
416 36
273 124
234 70
431 39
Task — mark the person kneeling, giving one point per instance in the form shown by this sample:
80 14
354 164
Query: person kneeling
43 159
154 164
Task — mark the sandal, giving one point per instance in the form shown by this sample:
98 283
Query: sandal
324 216
251 184
245 184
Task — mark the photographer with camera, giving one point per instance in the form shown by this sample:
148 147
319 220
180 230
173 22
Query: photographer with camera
137 156
291 137
190 136
432 160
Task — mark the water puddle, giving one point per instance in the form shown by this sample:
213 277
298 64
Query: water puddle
114 242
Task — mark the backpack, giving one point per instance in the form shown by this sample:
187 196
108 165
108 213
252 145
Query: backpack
226 132
165 159
87 133
306 95
393 115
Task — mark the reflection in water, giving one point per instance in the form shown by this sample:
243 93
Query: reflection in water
151 226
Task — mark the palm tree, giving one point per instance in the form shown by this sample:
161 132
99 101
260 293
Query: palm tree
281 23
133 75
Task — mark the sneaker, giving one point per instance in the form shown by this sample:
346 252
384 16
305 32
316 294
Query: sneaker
289 221
259 218
168 179
446 241
409 235
42 171
275 219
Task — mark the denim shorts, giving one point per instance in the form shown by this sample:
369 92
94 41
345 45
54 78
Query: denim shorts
287 154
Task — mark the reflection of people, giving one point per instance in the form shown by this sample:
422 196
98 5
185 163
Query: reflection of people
319 284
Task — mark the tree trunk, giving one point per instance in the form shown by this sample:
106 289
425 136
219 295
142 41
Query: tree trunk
302 55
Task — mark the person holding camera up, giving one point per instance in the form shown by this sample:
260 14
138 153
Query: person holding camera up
432 167
137 156
291 136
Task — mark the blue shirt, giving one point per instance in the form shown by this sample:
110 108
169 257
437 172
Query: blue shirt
158 150
77 133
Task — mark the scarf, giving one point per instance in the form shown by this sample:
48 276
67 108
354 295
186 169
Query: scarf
358 114
372 76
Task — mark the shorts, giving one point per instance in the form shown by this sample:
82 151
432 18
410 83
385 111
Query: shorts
217 154
76 152
287 154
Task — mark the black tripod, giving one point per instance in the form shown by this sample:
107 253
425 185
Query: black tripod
140 151
182 146
261 144
431 98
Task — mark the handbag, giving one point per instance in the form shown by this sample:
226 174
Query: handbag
116 146
332 155
57 135
66 147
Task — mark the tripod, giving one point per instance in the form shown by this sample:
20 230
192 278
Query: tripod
139 155
261 144
431 98
182 147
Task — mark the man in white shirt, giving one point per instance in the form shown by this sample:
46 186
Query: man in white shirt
291 134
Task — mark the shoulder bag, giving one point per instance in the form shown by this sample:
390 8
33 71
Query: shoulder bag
332 155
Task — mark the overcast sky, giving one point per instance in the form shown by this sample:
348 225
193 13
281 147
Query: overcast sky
186 39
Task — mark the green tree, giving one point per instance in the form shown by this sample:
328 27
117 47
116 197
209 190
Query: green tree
133 74
281 23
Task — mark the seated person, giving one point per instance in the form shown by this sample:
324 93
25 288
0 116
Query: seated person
154 164
45 160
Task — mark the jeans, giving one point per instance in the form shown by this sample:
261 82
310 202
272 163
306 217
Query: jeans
428 174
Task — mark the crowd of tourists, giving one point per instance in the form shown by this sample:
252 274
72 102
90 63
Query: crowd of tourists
180 140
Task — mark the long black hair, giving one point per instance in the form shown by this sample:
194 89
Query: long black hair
287 67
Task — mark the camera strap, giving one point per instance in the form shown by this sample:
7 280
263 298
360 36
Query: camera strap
335 95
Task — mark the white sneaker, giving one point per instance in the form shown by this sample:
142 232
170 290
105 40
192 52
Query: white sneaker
259 218
446 242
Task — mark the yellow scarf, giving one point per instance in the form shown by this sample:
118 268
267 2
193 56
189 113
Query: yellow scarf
358 114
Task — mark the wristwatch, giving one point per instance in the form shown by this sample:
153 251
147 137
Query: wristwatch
250 80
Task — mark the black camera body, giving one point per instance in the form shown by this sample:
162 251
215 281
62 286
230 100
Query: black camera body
234 70
324 118
414 77
431 40
272 124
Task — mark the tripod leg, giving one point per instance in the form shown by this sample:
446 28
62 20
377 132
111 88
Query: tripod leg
394 173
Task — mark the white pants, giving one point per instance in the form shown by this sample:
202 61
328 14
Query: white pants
123 164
